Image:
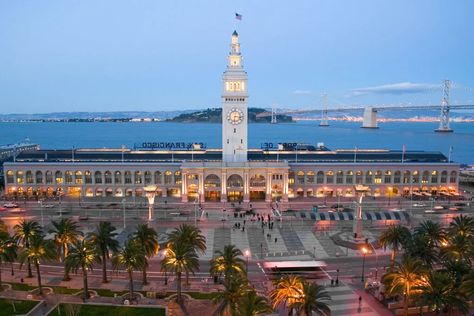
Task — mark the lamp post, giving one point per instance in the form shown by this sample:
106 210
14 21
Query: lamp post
150 192
41 208
261 250
376 260
364 252
337 277
247 255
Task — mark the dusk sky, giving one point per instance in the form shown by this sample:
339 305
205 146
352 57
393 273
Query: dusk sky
149 55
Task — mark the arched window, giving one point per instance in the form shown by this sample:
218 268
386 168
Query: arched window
425 177
29 177
310 177
19 177
444 176
388 176
59 177
68 177
406 176
212 181
158 177
10 176
453 177
415 177
378 177
320 177
300 176
434 176
257 181
98 178
128 177
291 177
235 181
138 177
39 177
168 177
49 177
397 176
349 177
330 176
359 177
78 177
147 177
368 177
339 177
118 178
108 177
177 177
87 177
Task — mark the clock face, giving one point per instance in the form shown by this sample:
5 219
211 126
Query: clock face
235 116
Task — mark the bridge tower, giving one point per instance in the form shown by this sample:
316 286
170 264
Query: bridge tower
370 118
324 112
274 116
444 117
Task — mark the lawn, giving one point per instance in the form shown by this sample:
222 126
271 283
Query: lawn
22 307
94 310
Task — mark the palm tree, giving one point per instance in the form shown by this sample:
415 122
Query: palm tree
288 290
432 231
131 257
420 246
104 240
228 262
191 235
7 250
65 233
394 237
24 231
39 249
403 278
467 285
231 298
460 247
252 304
313 300
147 238
82 255
462 225
439 292
179 258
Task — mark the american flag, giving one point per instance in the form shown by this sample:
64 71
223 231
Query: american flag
238 16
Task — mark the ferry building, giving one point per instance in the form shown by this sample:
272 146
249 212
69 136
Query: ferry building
235 172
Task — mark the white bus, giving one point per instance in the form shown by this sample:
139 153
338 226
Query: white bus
311 269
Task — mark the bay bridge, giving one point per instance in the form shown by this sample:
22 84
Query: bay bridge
370 112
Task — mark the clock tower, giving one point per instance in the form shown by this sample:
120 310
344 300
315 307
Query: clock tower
234 106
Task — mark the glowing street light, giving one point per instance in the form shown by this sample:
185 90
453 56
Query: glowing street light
364 252
247 255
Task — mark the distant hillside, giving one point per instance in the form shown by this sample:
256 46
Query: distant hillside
255 115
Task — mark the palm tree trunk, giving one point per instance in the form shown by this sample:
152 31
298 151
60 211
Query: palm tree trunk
30 274
66 271
1 288
290 311
104 268
187 277
392 259
178 287
130 276
39 277
86 285
405 305
144 280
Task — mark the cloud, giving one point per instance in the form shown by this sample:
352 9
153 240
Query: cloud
301 92
396 88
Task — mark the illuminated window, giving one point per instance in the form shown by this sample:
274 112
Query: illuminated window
29 177
340 177
59 177
291 177
19 177
406 176
78 177
177 177
388 176
87 177
168 177
330 176
434 176
415 177
368 177
10 176
349 177
138 177
68 177
300 176
425 177
310 177
118 179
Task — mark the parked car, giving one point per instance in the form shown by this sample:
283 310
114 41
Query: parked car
10 205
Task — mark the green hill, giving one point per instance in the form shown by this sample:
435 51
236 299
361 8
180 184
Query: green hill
255 115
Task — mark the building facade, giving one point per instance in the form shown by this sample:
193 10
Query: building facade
233 173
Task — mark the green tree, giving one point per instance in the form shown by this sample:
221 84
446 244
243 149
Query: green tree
313 299
7 250
190 235
39 250
459 247
179 258
104 240
65 233
462 225
287 291
82 255
432 231
231 298
420 246
24 232
403 278
147 238
438 292
229 263
467 286
394 237
130 257
252 304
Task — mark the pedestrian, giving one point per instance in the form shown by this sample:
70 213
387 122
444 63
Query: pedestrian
243 228
263 231
244 222
207 215
275 240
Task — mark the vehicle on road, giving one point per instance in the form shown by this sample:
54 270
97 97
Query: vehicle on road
10 205
48 205
3 209
419 205
310 269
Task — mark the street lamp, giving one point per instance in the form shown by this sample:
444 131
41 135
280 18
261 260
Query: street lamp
337 277
364 252
247 254
376 259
